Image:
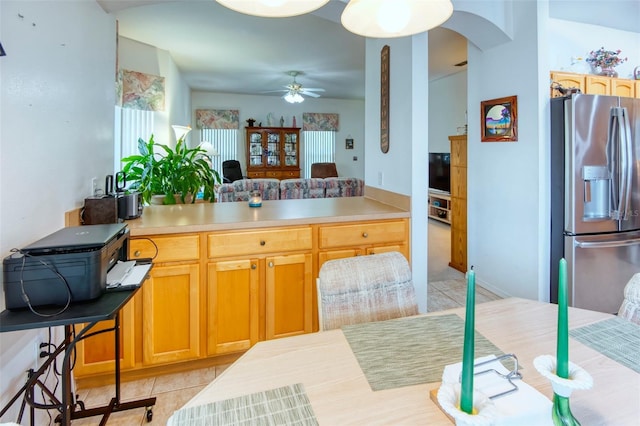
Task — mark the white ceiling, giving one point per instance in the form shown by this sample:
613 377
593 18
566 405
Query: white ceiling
220 50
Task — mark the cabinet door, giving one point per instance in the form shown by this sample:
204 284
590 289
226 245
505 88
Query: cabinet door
386 249
233 312
622 87
568 81
171 314
289 295
291 148
597 85
96 353
255 148
273 149
323 256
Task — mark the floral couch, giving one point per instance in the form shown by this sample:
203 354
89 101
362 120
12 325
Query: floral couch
286 189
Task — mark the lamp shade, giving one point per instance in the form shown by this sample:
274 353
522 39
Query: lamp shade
181 131
273 8
293 97
394 18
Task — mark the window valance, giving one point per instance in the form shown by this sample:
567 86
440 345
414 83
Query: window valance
138 90
217 118
320 121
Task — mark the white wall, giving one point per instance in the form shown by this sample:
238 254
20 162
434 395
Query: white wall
258 107
403 169
447 109
568 41
56 132
136 56
504 204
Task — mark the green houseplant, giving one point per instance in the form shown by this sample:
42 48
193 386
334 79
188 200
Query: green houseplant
177 173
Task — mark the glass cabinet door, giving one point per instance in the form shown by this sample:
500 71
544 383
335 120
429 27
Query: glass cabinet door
273 149
255 149
290 149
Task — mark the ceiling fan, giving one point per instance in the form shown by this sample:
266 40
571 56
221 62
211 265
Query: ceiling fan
294 90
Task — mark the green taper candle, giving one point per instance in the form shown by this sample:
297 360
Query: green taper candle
466 392
562 348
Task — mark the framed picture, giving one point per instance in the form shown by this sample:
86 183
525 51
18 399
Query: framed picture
498 119
348 143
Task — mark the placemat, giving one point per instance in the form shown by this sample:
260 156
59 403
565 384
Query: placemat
616 338
411 351
287 405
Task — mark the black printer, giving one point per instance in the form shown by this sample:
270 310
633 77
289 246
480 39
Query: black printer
73 261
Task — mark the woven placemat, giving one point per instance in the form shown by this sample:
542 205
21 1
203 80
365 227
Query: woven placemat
288 405
411 351
616 338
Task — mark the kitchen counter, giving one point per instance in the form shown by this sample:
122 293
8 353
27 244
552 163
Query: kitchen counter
202 217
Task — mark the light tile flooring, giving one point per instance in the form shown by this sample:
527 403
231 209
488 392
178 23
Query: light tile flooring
445 291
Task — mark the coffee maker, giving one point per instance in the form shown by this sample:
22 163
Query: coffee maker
129 202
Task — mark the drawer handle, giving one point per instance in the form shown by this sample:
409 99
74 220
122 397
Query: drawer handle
262 242
270 264
136 253
253 266
365 235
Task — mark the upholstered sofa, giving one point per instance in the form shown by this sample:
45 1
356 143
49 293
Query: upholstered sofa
274 189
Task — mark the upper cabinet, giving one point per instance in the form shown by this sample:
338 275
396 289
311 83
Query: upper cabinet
595 84
273 152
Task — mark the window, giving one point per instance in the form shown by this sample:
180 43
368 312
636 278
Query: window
225 141
319 147
130 125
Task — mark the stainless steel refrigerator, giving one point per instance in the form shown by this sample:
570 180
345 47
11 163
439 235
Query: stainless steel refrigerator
595 197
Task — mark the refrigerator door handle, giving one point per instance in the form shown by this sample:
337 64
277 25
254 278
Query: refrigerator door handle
613 160
626 153
607 244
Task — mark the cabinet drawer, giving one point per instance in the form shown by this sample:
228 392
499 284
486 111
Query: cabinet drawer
258 242
362 234
169 249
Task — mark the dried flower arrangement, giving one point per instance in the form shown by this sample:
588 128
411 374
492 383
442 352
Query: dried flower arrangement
605 58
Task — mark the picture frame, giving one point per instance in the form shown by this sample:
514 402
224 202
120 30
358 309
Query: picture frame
348 143
385 53
499 120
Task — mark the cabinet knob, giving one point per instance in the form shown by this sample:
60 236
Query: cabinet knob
254 266
365 235
270 264
262 242
136 253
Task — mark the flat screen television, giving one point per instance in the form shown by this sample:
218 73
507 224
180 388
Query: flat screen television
439 171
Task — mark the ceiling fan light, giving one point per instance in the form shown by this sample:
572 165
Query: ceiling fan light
399 18
273 8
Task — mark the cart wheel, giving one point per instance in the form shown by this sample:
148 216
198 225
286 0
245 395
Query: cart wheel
149 414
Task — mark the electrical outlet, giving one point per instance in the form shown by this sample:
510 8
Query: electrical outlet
380 178
94 186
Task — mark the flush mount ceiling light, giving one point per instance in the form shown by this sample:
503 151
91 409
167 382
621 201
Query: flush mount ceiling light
273 8
394 18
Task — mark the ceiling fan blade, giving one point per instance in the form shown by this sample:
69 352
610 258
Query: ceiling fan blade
313 95
274 91
315 89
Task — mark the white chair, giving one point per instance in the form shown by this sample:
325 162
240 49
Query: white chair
630 308
365 288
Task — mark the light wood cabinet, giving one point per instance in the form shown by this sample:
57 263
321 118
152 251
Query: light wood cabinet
272 270
96 354
217 293
595 84
458 202
273 152
338 241
170 306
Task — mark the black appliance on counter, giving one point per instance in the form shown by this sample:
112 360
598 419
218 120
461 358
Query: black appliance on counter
73 261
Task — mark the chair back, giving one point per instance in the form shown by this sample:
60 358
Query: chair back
324 170
231 171
365 288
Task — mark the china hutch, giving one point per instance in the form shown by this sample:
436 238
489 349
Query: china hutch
273 152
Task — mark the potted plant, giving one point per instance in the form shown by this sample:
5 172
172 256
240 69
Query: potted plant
177 174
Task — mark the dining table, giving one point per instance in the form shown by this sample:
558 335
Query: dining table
385 373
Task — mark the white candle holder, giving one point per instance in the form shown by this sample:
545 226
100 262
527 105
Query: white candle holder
578 377
255 199
485 411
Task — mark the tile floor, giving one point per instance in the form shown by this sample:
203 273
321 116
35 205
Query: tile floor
446 290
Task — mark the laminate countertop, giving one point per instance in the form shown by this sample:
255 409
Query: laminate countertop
202 217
